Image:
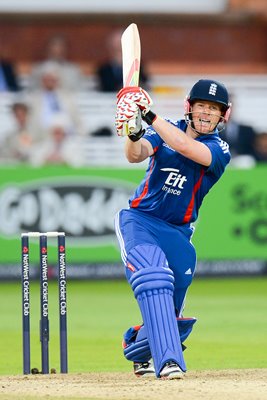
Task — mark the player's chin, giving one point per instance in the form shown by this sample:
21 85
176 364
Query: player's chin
205 128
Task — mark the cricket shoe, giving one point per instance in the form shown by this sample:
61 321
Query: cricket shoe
171 371
144 369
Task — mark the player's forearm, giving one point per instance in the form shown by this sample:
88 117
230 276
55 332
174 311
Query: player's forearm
135 151
182 143
171 135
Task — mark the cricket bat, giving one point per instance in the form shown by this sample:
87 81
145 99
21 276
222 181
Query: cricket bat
131 57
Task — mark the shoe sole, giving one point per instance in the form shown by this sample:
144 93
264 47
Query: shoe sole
172 376
146 376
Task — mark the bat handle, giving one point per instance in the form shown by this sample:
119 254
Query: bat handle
131 125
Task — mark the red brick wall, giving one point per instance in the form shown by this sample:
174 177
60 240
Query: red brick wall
188 43
252 6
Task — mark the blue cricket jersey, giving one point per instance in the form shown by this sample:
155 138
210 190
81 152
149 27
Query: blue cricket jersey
174 186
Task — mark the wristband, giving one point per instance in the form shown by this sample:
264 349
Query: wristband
136 136
149 117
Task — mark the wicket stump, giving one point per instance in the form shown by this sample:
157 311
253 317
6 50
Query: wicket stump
44 321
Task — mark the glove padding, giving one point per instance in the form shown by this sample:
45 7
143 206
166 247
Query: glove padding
137 95
128 119
133 103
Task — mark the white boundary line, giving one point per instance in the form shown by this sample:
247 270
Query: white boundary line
38 234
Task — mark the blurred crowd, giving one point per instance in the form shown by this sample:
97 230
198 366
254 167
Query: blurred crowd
44 115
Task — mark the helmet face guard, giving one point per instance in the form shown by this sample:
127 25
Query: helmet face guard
208 90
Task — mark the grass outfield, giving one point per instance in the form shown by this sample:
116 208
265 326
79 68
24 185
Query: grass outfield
231 331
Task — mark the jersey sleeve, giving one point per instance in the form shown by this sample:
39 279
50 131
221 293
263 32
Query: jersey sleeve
152 136
220 156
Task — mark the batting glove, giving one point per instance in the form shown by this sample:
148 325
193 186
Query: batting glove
128 119
137 95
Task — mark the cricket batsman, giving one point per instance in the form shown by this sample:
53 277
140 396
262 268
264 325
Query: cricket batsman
186 158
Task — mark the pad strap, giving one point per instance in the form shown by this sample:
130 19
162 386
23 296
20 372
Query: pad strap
135 343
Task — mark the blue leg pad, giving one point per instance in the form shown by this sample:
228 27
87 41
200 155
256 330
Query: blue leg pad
153 285
135 343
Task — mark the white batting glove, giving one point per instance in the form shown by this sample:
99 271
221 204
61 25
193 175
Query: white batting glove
128 118
137 95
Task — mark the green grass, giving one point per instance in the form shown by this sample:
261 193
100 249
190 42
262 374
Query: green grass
231 331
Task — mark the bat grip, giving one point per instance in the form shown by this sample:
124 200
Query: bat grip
131 125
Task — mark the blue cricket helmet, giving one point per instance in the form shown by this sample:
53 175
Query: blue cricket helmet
209 90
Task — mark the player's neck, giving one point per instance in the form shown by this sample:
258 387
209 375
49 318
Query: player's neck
190 132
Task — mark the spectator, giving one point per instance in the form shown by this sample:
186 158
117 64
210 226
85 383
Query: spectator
104 131
59 147
49 100
8 76
109 73
260 147
240 137
18 143
57 54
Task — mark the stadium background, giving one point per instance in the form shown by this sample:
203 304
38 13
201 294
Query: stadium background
232 240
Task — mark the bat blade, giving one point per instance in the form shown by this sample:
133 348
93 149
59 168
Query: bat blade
131 55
